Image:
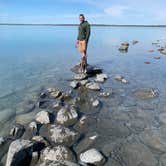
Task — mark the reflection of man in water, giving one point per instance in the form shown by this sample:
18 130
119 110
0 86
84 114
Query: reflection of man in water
82 40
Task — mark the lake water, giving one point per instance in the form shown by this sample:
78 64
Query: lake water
34 56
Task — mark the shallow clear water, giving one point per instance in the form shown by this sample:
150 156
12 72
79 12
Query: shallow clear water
36 56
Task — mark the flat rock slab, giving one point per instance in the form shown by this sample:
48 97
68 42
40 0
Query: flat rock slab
145 93
91 70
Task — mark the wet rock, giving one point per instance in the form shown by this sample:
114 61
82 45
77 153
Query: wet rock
157 57
135 153
58 163
123 48
54 92
40 139
57 153
33 126
58 134
80 76
147 62
118 77
74 84
43 103
19 153
17 131
95 103
92 156
91 70
84 122
124 81
155 139
86 143
162 118
163 51
151 50
93 86
101 77
42 117
125 44
134 42
83 82
67 116
162 160
1 140
105 94
146 93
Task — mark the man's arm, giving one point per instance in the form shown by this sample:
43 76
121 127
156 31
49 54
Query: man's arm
87 33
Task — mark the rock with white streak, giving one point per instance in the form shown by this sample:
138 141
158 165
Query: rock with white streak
67 116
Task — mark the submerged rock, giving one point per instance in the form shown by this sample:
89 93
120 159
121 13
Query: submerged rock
57 153
134 42
163 51
155 139
67 116
43 117
95 103
58 163
74 84
92 156
146 93
19 152
93 86
125 44
1 140
80 76
105 94
101 77
118 77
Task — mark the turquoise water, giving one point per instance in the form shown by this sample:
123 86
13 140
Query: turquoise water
36 56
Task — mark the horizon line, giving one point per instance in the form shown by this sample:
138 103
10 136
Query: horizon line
62 24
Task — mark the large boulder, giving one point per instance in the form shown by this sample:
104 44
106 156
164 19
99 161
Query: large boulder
58 134
57 153
67 116
92 156
19 153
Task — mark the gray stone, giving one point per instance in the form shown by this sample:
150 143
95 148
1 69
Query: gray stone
146 93
162 118
67 116
83 82
80 76
18 152
92 156
105 94
57 153
163 51
155 139
101 77
42 117
93 86
74 84
58 163
17 131
118 77
96 103
58 135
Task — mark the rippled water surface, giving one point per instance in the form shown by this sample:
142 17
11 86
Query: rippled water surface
33 57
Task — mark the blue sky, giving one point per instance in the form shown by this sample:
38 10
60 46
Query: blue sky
96 11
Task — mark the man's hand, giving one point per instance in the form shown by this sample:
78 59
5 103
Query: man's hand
76 45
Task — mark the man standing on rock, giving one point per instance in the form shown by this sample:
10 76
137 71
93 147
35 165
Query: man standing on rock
82 41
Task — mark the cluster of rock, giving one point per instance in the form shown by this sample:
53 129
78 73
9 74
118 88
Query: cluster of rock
55 135
124 47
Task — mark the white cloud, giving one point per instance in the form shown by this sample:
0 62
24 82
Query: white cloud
116 10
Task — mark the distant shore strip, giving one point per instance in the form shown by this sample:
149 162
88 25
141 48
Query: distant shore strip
106 25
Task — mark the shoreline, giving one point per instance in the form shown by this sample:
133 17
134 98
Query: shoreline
95 25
